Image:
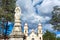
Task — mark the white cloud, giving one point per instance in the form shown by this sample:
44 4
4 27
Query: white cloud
56 2
44 27
58 35
36 1
29 14
48 27
47 5
34 18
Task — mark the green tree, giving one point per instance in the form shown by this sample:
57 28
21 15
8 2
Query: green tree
56 18
7 12
49 36
58 38
8 7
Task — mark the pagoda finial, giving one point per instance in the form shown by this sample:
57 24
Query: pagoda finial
26 24
39 22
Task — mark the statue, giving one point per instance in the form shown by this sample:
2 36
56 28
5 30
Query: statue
17 9
17 12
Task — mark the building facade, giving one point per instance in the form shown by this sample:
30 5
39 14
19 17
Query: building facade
33 35
17 33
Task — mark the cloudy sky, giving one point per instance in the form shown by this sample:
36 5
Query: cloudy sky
35 11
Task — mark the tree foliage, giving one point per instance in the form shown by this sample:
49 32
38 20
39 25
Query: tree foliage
56 18
7 9
58 38
49 36
7 12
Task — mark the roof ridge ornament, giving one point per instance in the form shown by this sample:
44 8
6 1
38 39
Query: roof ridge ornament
39 23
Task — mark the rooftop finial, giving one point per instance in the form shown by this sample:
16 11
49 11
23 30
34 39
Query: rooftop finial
26 24
32 30
39 23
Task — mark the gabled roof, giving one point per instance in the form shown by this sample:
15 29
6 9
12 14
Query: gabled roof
33 33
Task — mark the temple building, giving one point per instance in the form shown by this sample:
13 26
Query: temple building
33 35
17 33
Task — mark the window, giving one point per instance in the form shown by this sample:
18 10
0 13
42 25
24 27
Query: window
32 38
40 38
25 31
40 31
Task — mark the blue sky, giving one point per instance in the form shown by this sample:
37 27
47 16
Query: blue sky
35 11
